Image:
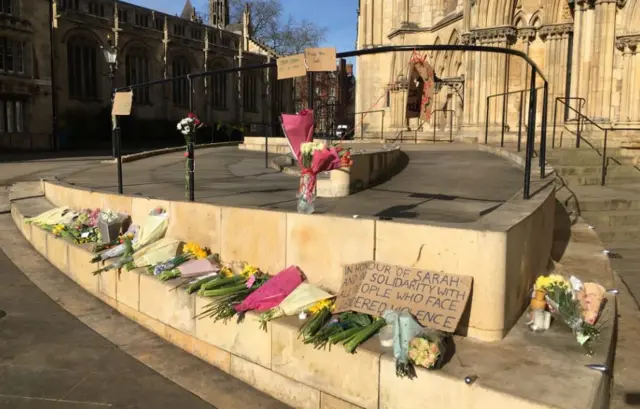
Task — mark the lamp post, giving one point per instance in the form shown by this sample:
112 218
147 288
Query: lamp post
111 57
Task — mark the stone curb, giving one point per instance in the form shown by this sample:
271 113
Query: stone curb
148 154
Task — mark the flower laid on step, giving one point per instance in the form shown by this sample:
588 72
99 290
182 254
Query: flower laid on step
576 304
426 350
196 251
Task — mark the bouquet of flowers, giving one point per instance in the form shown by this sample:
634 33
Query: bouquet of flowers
303 297
273 292
229 290
188 127
313 157
405 328
427 350
575 303
110 225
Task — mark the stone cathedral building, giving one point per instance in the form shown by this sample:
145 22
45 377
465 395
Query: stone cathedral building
55 88
586 49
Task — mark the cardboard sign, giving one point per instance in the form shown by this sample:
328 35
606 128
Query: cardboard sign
291 66
320 59
122 103
436 300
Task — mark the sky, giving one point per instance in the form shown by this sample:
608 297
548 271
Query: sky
338 16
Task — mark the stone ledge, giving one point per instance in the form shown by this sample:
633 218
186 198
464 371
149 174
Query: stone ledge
148 154
303 378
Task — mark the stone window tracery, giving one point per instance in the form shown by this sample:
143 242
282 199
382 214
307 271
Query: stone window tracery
82 67
137 71
181 67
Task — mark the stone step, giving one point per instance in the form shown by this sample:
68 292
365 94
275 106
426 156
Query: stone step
570 170
612 218
613 234
593 180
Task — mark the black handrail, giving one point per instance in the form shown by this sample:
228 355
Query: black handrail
435 124
504 110
555 116
605 158
535 70
362 114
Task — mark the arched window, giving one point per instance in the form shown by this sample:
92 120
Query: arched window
137 71
219 88
82 67
181 90
250 91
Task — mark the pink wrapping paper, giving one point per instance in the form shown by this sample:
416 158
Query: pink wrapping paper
196 268
273 291
298 129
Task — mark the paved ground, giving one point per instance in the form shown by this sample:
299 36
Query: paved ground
453 183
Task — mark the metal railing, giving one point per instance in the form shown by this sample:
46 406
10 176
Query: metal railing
362 115
504 116
564 100
581 117
189 78
435 124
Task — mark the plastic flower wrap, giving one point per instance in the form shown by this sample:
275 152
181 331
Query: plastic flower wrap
273 292
305 296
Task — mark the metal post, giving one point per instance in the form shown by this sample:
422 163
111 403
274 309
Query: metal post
451 126
520 121
504 118
382 127
112 77
543 131
117 140
531 134
310 90
190 150
435 124
361 125
555 118
578 128
605 162
486 124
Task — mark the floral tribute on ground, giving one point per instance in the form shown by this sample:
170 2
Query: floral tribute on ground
313 157
188 127
570 301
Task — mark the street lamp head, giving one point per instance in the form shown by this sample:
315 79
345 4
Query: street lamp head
110 55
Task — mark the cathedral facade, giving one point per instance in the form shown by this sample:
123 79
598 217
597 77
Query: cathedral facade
58 91
586 49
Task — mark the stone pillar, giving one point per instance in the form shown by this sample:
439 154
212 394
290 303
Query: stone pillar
556 38
470 83
586 55
630 100
491 78
577 52
527 35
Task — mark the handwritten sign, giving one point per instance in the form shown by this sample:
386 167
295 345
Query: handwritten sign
320 59
122 103
436 300
291 66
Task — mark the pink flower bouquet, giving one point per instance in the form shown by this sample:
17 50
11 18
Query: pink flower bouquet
271 293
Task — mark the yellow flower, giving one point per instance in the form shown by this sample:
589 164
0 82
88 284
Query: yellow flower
320 305
195 250
58 229
226 271
544 282
250 270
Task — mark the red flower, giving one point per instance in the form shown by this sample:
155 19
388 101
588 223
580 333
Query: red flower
191 115
186 154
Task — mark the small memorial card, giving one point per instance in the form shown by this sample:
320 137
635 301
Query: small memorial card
291 67
320 59
122 103
436 300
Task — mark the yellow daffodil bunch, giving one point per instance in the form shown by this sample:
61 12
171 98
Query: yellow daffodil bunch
320 305
226 272
544 282
195 250
58 229
250 270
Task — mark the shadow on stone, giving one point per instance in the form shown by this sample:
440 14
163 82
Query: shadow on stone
561 232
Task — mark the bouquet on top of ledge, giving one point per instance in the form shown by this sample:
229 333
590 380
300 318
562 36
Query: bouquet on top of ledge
79 226
313 157
573 302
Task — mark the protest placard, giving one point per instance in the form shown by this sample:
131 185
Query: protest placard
437 300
